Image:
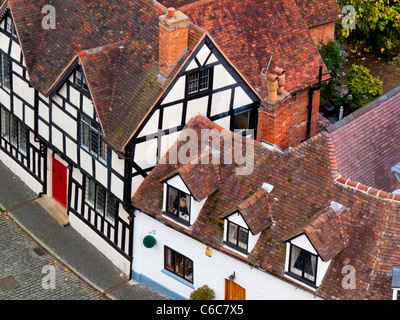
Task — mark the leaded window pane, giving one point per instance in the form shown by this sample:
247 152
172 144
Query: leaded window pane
111 206
193 83
232 233
22 139
5 79
90 192
14 131
5 124
101 201
243 238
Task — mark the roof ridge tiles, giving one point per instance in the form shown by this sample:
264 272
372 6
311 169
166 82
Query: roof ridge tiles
373 192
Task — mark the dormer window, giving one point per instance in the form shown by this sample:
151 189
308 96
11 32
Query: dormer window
178 204
237 236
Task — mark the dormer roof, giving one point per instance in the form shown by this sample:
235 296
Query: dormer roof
202 179
255 210
325 232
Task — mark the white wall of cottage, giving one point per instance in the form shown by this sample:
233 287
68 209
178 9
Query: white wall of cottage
148 266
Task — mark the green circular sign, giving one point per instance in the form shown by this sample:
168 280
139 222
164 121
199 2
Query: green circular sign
149 241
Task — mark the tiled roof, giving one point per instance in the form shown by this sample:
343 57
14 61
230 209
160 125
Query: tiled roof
255 210
367 142
363 235
317 12
122 43
202 179
249 32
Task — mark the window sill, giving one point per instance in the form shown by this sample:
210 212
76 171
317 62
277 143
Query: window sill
234 248
176 219
301 280
176 277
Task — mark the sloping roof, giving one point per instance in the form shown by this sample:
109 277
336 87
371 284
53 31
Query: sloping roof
317 12
201 177
367 145
121 40
326 233
249 32
364 235
255 210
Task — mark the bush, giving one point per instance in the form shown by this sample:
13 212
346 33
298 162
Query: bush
362 86
202 293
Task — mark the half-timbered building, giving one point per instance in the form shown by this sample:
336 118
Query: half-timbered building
90 104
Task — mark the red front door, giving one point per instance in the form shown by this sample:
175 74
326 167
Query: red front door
60 182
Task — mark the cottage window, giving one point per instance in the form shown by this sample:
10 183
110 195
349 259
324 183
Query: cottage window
199 81
100 200
178 264
303 264
92 139
237 236
14 131
5 79
178 203
80 80
10 27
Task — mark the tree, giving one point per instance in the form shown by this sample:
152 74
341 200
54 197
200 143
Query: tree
377 23
362 86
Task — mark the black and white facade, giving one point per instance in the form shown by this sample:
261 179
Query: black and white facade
207 84
55 143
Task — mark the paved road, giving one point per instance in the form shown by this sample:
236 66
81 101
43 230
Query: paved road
27 272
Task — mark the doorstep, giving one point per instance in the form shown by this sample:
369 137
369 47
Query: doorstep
56 210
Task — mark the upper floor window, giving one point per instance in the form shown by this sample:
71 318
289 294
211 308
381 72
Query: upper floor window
237 236
178 203
10 27
101 201
14 131
199 81
80 80
92 138
5 78
303 264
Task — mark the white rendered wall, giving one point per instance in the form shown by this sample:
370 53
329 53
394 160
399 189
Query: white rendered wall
207 270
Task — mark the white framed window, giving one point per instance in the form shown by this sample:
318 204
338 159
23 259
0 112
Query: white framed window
237 236
178 203
199 81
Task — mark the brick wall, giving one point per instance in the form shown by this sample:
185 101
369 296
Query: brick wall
323 33
284 122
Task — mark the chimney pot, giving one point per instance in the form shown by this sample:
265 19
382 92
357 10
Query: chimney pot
281 79
171 13
272 86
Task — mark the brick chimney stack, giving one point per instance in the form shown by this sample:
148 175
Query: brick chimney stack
274 115
174 30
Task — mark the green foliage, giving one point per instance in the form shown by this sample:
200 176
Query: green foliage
362 86
334 57
202 293
377 23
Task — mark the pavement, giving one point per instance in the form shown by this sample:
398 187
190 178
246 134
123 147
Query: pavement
79 256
